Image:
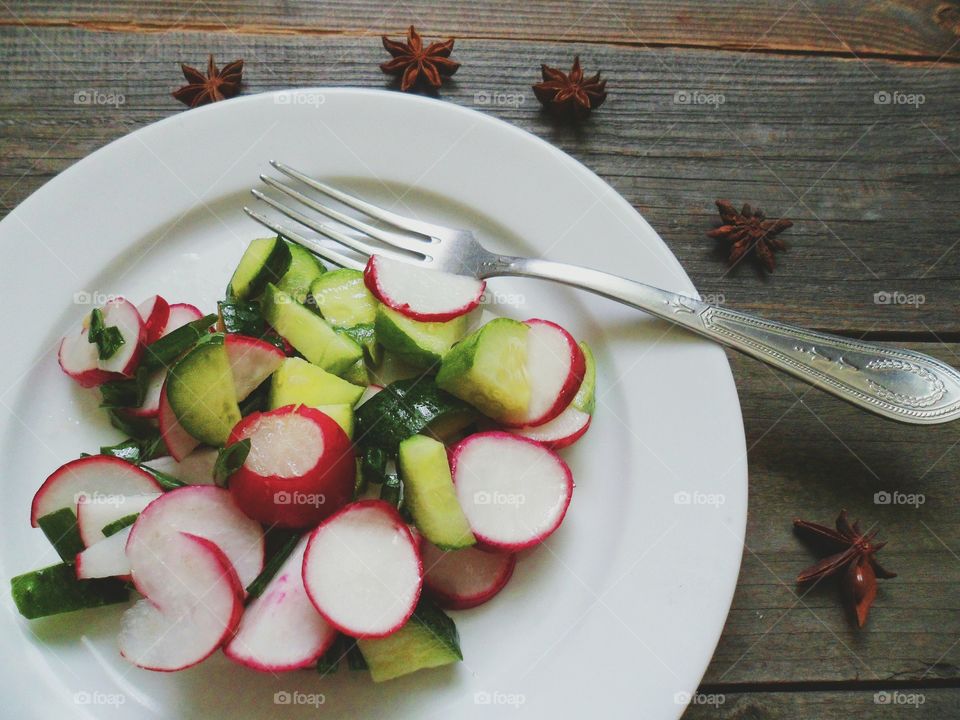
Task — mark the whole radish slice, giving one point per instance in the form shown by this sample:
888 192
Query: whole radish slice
281 629
419 293
193 601
95 512
155 312
251 361
202 510
513 491
555 369
300 469
362 570
102 478
462 579
179 442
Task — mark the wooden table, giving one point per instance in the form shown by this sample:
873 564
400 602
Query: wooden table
803 131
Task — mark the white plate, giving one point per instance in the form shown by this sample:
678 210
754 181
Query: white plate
616 616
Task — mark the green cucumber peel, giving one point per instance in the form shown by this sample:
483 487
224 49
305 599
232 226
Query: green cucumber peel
229 460
108 339
55 590
62 531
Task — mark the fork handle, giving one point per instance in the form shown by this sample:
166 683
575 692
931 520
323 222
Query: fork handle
899 384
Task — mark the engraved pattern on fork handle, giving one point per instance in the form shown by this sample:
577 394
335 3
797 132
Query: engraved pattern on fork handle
899 384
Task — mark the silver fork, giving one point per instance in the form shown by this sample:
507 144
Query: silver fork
900 384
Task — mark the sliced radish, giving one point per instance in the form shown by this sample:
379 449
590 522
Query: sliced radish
281 629
200 510
565 429
193 602
300 469
106 558
362 570
78 358
95 512
461 579
123 315
150 407
180 315
419 293
195 469
369 393
555 368
155 312
100 477
251 361
179 442
514 491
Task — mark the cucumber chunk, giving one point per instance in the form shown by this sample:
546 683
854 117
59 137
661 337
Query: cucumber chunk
55 589
201 392
586 398
357 374
304 269
421 344
297 382
429 493
62 531
341 414
409 407
365 335
264 261
343 299
429 639
488 369
309 333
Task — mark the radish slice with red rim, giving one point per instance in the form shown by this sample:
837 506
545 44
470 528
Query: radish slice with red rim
462 579
179 442
193 602
151 399
155 312
105 558
195 469
103 478
124 316
564 430
95 512
181 314
362 570
201 510
281 629
514 491
78 358
420 293
251 361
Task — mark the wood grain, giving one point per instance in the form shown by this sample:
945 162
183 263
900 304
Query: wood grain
869 186
904 29
810 456
876 704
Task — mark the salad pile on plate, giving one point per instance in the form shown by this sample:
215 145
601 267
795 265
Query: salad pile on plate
314 472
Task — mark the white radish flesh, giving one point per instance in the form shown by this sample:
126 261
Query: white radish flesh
251 361
95 513
564 430
124 316
461 579
420 293
195 469
106 558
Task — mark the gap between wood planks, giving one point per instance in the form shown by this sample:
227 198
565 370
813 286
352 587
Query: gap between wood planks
259 29
775 686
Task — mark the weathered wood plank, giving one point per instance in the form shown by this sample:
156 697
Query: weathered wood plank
901 28
809 456
869 186
874 704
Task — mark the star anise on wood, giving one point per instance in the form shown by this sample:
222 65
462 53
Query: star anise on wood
418 66
852 555
749 230
571 96
217 84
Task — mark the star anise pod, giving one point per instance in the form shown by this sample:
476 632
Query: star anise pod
750 230
216 85
570 96
852 555
416 65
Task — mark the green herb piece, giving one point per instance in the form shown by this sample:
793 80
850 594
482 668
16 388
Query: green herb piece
107 339
229 460
259 584
118 525
165 480
164 351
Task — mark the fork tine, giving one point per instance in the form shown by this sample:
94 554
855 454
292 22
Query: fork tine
417 246
400 221
311 245
351 242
